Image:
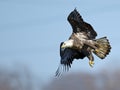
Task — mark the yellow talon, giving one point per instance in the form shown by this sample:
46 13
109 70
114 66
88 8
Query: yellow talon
91 63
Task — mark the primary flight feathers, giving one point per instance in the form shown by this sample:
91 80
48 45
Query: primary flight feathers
81 43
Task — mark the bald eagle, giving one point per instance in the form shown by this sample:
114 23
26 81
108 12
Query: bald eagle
81 43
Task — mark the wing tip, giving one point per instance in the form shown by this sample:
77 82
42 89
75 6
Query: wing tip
61 69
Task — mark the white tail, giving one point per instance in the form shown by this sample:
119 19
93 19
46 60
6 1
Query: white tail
103 47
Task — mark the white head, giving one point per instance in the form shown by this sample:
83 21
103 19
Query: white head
68 43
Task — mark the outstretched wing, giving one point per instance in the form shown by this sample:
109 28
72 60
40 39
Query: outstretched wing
79 25
67 56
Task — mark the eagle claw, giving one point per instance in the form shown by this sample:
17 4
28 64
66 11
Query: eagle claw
91 63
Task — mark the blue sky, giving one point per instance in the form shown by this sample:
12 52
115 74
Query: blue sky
31 31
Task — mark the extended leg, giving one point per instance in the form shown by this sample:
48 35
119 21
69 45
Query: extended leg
91 59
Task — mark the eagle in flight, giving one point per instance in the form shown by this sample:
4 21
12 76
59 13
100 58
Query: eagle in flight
81 44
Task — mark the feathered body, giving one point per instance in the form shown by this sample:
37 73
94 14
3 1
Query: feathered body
81 43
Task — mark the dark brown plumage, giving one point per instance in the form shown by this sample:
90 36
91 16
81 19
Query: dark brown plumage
81 43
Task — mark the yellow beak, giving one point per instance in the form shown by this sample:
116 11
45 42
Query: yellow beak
63 46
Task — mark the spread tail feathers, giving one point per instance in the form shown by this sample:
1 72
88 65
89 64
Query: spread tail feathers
103 47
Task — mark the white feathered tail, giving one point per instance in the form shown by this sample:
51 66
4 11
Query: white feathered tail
103 47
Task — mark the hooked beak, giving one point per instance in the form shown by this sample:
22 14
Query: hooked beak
63 47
